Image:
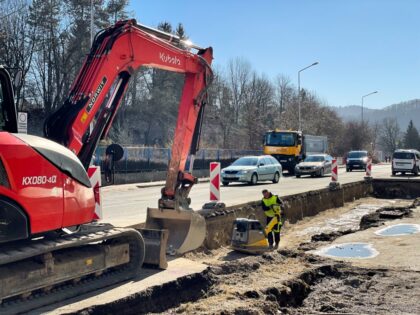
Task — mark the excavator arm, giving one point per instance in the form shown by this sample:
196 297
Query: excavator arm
96 95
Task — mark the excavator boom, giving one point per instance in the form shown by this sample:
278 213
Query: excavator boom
97 92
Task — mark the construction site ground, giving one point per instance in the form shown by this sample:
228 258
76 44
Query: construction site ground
291 280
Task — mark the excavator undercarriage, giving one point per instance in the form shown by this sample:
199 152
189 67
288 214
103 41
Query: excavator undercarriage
49 269
32 269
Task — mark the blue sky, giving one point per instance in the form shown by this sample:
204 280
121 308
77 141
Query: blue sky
361 45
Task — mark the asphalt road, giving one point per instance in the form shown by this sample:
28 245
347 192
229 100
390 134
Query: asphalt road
126 205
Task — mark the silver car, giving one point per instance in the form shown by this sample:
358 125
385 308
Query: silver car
251 169
314 165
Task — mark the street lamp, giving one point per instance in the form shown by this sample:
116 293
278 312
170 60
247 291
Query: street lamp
299 101
362 102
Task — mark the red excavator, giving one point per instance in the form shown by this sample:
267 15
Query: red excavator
44 186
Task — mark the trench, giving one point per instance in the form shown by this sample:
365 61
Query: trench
158 299
321 285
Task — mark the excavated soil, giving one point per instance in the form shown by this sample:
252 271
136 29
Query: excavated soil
291 280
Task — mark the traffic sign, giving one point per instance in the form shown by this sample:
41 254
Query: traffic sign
22 122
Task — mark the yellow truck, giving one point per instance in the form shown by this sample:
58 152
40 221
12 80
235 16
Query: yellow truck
290 147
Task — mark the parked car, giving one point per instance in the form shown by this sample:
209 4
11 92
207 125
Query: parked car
406 161
356 160
314 165
252 169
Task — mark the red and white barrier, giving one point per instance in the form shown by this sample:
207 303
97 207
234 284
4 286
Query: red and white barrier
334 171
215 181
369 168
94 173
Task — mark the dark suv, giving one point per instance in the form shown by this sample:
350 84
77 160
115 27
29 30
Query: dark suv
356 160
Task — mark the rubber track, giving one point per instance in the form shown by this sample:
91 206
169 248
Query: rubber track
38 247
66 290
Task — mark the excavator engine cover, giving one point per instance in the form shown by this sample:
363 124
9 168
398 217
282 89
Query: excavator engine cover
248 236
187 229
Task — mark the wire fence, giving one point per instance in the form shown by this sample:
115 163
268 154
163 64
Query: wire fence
149 159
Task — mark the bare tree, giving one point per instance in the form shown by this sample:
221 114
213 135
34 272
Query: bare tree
239 72
390 135
219 112
257 113
375 133
283 96
16 41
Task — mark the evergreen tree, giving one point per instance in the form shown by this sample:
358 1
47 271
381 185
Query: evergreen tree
117 10
165 27
180 32
411 137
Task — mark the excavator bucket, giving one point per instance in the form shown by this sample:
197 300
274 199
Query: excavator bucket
187 229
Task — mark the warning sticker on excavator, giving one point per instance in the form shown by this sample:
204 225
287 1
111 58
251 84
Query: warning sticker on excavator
84 117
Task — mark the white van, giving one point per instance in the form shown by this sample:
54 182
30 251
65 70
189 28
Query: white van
406 161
